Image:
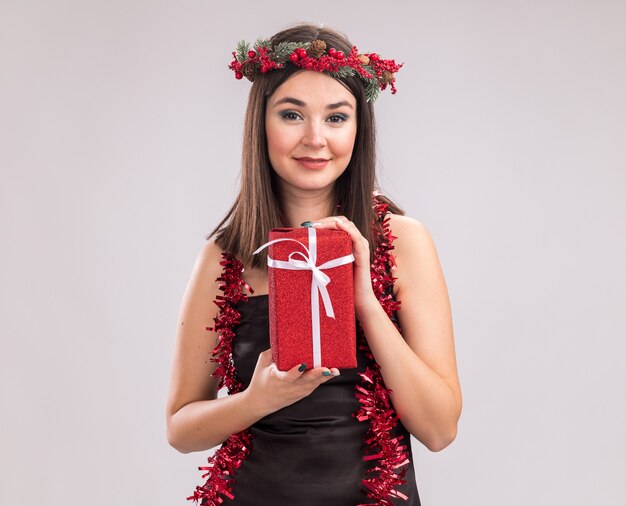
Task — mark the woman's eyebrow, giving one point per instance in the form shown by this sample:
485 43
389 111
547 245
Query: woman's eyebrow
300 103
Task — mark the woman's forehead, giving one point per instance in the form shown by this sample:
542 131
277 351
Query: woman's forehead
312 88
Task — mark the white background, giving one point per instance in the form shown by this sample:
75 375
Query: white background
120 135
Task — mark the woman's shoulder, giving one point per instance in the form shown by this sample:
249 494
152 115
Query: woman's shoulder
208 262
403 227
413 248
409 234
403 221
210 249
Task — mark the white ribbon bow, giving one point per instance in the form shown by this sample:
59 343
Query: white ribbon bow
319 280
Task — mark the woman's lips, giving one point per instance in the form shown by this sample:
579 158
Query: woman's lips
311 163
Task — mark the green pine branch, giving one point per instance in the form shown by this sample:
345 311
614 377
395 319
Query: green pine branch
284 49
343 72
372 90
261 43
242 51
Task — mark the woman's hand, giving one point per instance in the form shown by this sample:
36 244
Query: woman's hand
364 295
271 389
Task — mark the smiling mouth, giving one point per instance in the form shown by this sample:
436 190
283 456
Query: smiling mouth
312 163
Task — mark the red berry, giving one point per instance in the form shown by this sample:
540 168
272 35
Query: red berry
301 52
339 55
251 54
294 57
374 57
332 51
238 75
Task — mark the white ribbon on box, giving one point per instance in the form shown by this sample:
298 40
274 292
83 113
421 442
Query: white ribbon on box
319 280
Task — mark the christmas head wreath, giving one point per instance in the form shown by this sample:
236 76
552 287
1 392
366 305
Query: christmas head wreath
262 57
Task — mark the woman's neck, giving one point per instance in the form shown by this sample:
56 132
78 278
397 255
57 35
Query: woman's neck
306 207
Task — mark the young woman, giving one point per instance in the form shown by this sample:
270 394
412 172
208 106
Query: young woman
316 436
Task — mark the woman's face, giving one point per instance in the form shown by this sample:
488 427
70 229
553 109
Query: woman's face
310 115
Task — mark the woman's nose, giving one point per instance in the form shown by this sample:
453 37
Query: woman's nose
314 134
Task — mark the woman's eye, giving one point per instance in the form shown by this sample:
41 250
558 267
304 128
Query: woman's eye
285 115
340 116
335 118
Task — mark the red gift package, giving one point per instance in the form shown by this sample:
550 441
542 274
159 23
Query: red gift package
311 298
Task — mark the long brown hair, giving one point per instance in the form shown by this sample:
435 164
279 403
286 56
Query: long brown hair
257 207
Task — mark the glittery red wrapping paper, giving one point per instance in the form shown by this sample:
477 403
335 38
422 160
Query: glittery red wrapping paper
290 302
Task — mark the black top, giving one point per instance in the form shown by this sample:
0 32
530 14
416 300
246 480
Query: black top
309 453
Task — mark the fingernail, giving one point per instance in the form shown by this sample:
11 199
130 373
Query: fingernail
305 224
336 373
315 223
327 373
302 368
338 220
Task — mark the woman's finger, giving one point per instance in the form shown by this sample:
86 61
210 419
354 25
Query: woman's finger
318 375
294 373
329 220
336 223
265 357
340 224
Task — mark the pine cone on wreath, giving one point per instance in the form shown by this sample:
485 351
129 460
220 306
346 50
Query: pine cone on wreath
316 48
248 70
387 77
